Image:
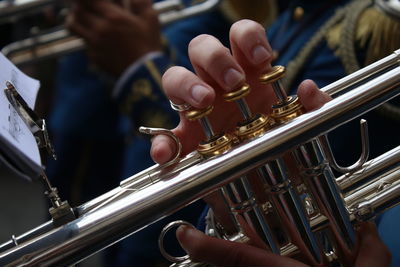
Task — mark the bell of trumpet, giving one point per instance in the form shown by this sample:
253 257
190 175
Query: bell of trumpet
59 41
303 207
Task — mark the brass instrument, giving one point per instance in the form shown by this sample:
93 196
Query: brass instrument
316 208
59 41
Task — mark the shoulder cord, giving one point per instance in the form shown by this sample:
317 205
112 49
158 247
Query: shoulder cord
347 54
297 64
230 11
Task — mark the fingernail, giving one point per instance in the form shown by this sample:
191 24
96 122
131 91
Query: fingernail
199 92
232 78
259 54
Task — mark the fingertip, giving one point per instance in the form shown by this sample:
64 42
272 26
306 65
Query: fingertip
183 86
181 236
249 37
310 95
184 233
307 88
162 149
191 240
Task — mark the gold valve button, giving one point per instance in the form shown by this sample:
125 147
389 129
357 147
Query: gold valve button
282 112
243 91
275 74
254 128
198 113
216 146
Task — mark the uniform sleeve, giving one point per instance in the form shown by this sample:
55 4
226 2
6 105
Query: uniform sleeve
139 94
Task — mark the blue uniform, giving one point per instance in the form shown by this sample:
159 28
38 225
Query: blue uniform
288 36
139 98
140 250
94 128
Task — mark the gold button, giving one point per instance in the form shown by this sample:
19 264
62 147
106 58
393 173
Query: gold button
298 13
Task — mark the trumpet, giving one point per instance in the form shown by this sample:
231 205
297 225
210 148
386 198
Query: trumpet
60 41
313 212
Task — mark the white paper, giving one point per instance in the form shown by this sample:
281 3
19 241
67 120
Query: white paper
12 128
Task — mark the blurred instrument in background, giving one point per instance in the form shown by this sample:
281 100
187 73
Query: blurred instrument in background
58 41
302 209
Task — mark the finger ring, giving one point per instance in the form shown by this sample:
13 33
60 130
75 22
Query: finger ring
180 107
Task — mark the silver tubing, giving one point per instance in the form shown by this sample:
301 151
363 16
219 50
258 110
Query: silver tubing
59 42
363 74
369 171
100 228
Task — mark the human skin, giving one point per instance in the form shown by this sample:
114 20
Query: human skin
116 34
219 70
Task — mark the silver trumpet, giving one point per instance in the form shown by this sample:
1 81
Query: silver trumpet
311 211
60 41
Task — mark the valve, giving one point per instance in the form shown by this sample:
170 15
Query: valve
215 144
287 107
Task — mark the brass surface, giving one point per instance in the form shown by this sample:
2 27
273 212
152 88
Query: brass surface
216 146
275 74
254 128
243 91
290 109
198 113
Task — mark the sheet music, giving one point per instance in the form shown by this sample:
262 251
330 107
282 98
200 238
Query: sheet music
12 128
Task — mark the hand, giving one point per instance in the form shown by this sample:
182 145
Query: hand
116 36
219 71
202 248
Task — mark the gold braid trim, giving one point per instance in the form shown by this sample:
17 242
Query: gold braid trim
297 64
262 11
381 31
367 28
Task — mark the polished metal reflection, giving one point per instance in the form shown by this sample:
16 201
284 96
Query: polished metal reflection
155 193
60 41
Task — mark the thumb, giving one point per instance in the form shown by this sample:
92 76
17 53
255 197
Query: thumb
372 251
203 248
310 96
